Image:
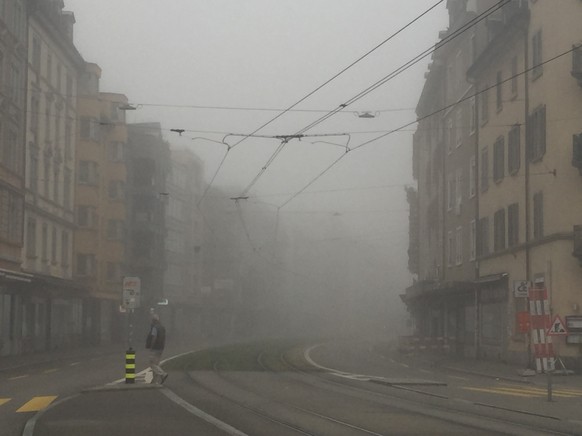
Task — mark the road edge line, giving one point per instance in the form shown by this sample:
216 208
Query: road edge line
31 423
221 425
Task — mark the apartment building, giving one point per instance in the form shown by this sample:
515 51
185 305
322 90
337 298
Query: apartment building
100 210
528 103
53 312
183 243
148 166
13 65
443 209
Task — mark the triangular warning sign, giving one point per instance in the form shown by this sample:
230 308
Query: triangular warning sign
557 328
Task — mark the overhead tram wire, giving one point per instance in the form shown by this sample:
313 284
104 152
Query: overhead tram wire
379 83
325 84
408 64
527 70
343 70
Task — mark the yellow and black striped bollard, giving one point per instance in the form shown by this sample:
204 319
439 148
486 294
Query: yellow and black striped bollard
130 366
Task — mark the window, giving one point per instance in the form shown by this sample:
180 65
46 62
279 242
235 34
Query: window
68 140
536 138
484 170
451 249
513 150
116 190
472 168
67 189
484 107
458 190
483 237
11 216
451 192
450 135
34 112
115 230
115 151
49 68
47 172
88 172
499 91
459 246
113 272
499 159
538 215
499 230
65 249
473 115
537 54
473 242
88 129
54 247
513 225
86 216
44 241
31 238
514 77
459 127
86 265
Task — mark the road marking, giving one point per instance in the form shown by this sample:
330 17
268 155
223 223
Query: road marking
203 415
4 400
36 404
404 365
493 391
426 371
18 377
458 378
74 364
50 371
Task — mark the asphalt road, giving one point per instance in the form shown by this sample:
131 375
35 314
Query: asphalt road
354 391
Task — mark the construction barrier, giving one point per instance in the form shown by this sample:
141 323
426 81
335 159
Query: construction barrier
130 366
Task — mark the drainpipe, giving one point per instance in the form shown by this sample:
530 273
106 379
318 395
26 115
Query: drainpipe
527 174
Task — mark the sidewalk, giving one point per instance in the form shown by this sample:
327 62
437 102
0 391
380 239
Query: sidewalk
9 363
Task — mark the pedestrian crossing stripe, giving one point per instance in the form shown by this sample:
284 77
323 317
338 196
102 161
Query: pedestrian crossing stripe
526 392
36 404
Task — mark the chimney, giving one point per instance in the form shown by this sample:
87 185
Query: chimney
68 20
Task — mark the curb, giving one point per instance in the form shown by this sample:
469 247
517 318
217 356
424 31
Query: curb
483 374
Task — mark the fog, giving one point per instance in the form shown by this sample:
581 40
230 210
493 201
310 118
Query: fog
329 260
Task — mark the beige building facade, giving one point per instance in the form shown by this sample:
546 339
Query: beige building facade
527 110
99 247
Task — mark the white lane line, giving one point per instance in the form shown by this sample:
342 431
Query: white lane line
50 371
458 378
202 415
74 363
404 365
425 371
18 377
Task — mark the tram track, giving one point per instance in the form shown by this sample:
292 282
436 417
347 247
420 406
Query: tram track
269 406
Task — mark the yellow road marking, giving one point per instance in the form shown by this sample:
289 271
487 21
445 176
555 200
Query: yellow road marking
36 404
493 391
564 391
4 400
521 392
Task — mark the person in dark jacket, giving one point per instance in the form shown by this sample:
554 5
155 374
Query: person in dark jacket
155 342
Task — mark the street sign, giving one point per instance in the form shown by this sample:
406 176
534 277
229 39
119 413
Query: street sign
557 328
131 292
520 288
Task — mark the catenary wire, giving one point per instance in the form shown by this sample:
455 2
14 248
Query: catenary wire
379 83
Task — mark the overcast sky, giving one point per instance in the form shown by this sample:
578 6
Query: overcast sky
270 54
